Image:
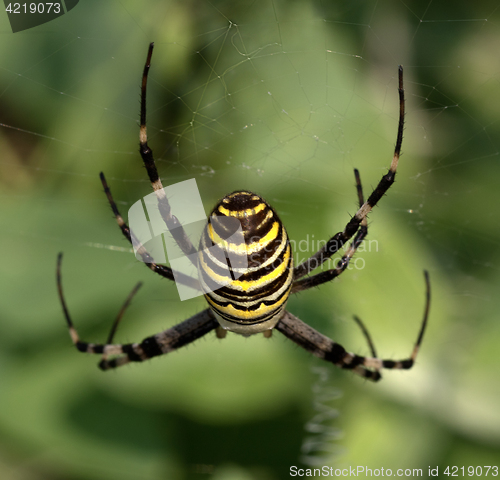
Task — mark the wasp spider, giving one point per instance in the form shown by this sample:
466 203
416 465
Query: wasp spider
255 301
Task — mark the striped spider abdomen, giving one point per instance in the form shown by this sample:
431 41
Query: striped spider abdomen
246 278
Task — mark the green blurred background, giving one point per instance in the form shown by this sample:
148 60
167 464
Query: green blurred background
284 98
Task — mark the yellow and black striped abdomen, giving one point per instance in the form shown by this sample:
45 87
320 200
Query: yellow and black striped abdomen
246 278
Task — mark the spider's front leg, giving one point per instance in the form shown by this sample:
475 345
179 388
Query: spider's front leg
147 259
343 263
171 221
339 239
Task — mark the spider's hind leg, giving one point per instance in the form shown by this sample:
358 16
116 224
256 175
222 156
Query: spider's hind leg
118 318
320 345
326 349
164 342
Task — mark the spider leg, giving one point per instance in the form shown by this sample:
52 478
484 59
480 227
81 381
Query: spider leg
324 348
366 334
159 344
368 338
343 263
361 199
164 342
162 270
83 346
321 346
340 238
170 220
120 315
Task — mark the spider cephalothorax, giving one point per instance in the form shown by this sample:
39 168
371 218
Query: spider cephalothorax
246 271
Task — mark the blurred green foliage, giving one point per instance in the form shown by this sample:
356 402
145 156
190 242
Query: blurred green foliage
284 98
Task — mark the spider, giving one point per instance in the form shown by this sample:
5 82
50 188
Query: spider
255 301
